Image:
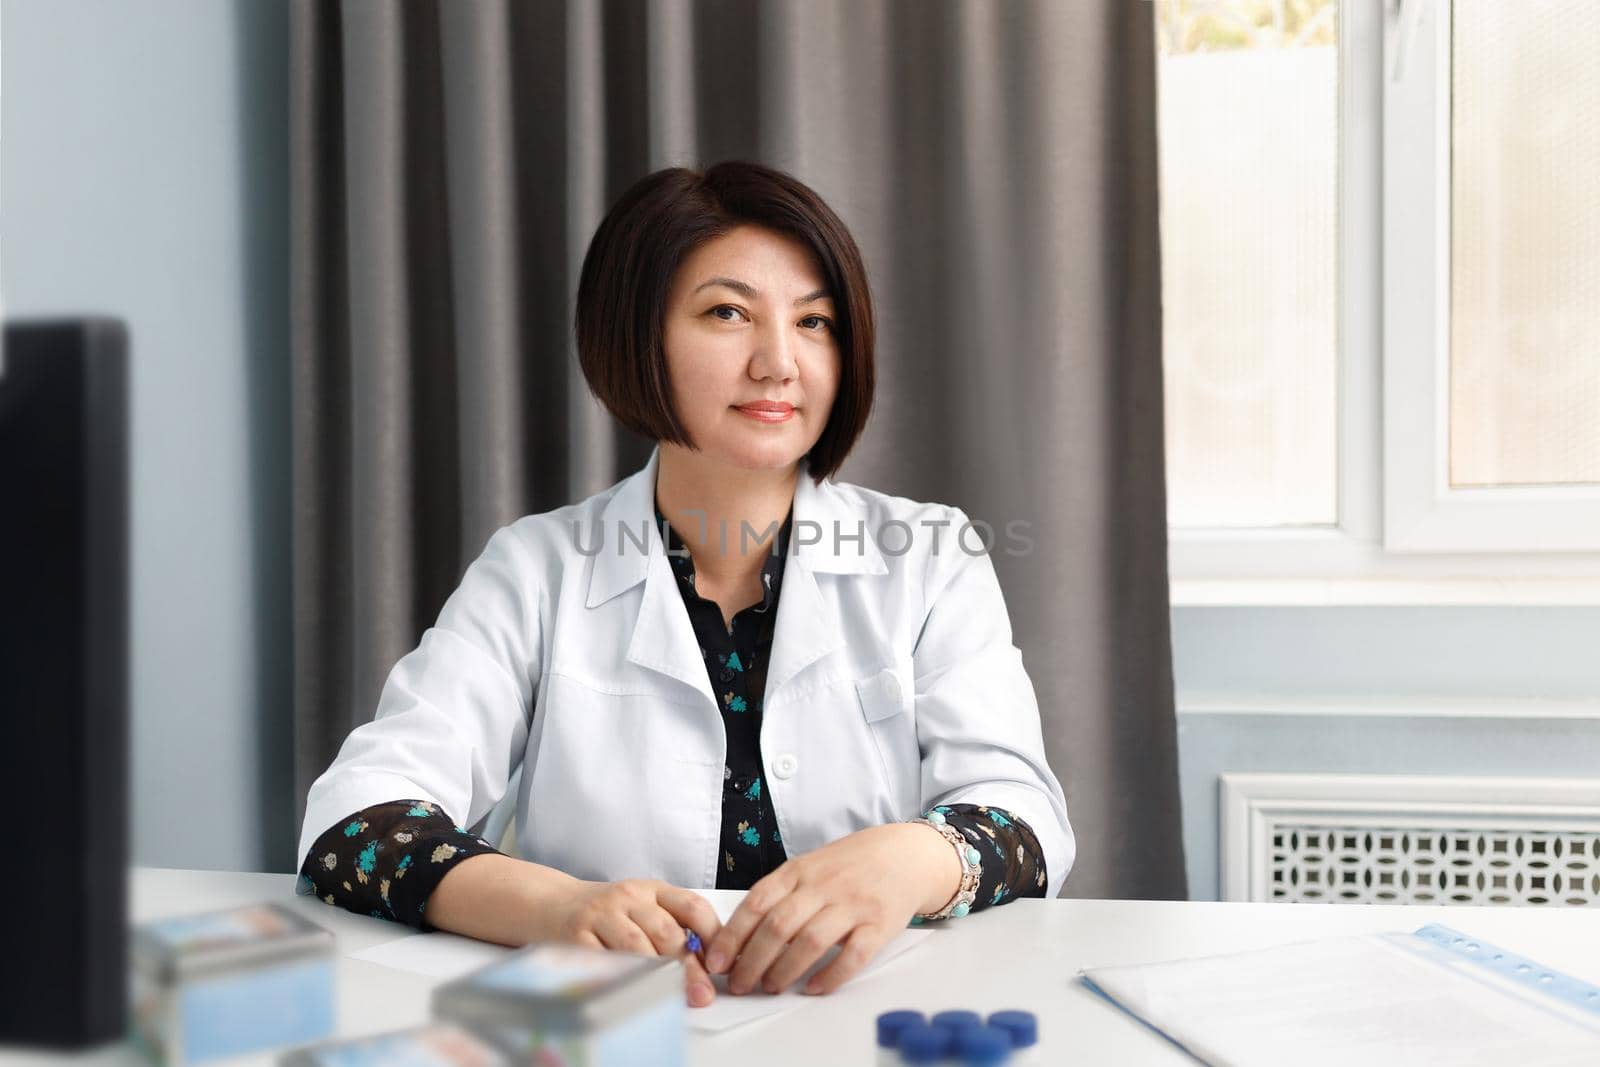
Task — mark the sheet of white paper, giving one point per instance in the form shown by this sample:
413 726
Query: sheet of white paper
437 954
445 956
728 1011
1373 999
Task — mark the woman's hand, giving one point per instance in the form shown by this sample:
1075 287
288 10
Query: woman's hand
857 892
644 916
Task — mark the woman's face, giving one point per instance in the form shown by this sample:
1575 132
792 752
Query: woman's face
749 321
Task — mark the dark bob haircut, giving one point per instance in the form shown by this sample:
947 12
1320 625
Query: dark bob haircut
627 276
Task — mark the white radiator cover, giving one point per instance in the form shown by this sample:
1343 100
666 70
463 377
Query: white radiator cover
1381 839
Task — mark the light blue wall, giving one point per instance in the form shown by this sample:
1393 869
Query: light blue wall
1280 656
143 176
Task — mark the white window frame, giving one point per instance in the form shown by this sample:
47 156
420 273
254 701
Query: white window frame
1388 545
1422 511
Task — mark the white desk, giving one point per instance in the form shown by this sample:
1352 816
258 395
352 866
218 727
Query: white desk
1021 955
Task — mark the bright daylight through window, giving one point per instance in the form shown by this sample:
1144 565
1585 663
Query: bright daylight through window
1249 134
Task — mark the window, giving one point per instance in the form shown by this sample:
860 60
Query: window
1492 268
1248 129
1525 245
1381 279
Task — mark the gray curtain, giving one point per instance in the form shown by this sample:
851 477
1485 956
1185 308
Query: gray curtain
995 161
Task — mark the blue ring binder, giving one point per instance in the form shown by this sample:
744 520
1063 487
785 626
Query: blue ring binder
1519 969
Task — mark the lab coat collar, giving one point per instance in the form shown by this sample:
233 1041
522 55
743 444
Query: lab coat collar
821 511
662 638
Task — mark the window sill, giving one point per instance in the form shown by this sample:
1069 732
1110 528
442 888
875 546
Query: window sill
1397 707
1369 592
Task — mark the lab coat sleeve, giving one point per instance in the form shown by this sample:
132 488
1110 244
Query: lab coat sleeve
976 711
452 721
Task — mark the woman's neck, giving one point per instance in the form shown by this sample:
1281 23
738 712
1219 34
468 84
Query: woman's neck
707 502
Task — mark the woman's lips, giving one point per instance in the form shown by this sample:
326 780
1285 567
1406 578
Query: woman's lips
768 412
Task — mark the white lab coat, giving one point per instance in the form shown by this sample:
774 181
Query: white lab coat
893 685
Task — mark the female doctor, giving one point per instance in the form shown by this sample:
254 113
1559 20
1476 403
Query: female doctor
727 670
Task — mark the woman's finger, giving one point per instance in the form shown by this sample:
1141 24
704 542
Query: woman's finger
661 936
669 939
659 926
858 948
696 982
729 942
617 931
780 925
827 928
692 910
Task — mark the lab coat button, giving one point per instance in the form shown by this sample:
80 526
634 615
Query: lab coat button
784 766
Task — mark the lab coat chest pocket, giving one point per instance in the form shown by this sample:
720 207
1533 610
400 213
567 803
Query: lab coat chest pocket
887 706
616 792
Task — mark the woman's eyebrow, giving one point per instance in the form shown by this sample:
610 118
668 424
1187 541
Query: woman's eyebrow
749 291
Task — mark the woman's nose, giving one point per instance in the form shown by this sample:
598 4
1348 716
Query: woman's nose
774 353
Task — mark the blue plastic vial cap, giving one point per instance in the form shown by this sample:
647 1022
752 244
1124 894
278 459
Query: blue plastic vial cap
1023 1026
958 1018
890 1023
921 1043
951 1030
982 1046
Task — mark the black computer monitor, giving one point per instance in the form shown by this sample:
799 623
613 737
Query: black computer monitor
63 680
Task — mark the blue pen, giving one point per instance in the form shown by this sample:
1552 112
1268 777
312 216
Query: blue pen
692 945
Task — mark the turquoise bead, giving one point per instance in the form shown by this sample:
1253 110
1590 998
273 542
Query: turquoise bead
959 910
935 817
972 856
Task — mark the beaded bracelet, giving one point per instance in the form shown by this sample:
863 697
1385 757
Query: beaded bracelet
971 870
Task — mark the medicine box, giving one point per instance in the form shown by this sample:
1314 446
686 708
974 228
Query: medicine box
225 983
434 1045
572 1006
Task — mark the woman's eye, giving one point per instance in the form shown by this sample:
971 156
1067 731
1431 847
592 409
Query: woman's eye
725 307
823 323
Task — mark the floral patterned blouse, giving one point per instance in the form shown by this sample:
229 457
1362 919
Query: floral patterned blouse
736 660
387 859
